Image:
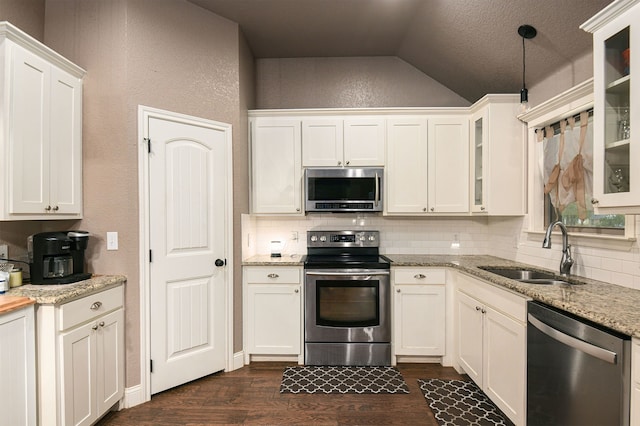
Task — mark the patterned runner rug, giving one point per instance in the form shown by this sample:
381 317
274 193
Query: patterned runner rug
342 379
459 402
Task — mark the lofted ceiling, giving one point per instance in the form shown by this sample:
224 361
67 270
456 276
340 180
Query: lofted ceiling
470 46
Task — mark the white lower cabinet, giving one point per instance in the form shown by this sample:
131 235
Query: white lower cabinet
491 343
418 311
18 367
273 314
81 358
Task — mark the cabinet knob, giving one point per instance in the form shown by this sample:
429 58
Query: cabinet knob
594 201
101 323
272 275
56 208
419 276
48 208
482 208
484 311
433 208
95 327
298 209
339 163
424 209
297 290
348 162
478 308
96 305
398 290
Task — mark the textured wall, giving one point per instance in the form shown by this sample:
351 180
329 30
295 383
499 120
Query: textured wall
28 15
357 82
161 53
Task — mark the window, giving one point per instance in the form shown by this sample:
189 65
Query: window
568 178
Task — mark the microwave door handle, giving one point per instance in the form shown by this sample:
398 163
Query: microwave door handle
377 197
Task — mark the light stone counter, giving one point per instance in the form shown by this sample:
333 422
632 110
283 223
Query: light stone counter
607 304
50 294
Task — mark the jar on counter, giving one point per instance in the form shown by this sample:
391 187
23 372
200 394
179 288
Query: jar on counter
15 277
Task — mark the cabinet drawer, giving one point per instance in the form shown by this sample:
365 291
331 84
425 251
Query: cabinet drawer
418 276
90 307
273 275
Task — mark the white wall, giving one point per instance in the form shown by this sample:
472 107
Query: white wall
498 236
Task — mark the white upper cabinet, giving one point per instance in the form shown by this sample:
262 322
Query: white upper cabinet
276 170
42 130
497 157
616 145
337 142
427 165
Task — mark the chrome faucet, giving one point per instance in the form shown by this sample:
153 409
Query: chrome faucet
566 262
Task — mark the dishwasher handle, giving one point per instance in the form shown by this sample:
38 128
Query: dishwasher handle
581 345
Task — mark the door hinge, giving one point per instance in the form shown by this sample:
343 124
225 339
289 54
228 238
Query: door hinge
150 256
151 365
148 141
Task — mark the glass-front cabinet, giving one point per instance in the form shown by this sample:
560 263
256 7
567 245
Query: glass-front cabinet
478 137
616 156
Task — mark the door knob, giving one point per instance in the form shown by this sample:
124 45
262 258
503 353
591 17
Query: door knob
219 262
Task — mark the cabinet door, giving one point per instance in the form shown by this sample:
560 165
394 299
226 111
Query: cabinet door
29 124
276 179
322 143
406 171
504 369
274 319
448 165
66 143
364 142
110 362
469 335
616 182
479 130
18 368
419 320
78 375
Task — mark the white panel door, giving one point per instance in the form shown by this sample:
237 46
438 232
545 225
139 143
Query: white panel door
110 365
469 335
449 165
322 143
79 375
419 320
29 152
187 223
364 142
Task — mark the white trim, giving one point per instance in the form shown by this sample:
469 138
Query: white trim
132 396
607 14
144 113
238 360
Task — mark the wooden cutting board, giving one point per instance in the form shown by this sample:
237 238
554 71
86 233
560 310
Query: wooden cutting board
10 303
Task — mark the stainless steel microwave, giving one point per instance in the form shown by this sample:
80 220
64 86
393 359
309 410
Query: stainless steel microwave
344 189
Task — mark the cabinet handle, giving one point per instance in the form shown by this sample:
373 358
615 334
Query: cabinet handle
96 305
297 290
348 162
48 208
482 209
478 308
424 209
433 208
398 291
56 208
101 323
419 276
339 163
95 327
272 275
483 311
298 209
594 201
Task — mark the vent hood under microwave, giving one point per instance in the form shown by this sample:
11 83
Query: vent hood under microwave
341 190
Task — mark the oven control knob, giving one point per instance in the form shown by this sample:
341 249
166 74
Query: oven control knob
372 237
361 237
323 238
314 238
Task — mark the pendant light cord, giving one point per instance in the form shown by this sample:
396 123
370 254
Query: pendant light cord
524 65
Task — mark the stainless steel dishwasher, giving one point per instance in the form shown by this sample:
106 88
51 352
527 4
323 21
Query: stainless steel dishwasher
578 373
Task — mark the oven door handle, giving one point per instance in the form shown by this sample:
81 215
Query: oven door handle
347 274
377 196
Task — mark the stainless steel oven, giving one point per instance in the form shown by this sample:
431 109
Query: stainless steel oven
347 300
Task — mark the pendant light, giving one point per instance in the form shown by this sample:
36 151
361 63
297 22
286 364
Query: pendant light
528 32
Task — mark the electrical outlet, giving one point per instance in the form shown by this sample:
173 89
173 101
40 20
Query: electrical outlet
294 235
4 251
112 241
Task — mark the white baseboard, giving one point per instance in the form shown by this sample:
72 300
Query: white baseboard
238 360
133 396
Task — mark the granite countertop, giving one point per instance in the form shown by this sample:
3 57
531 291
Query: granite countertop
607 304
50 294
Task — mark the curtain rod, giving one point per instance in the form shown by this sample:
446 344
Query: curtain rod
556 126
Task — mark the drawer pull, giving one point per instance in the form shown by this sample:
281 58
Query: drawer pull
419 276
94 328
96 306
272 275
101 323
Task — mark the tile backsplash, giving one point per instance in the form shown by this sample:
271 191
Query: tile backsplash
499 236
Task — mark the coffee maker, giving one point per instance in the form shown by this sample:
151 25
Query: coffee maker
57 257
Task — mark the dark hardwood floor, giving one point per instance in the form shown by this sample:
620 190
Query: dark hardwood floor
251 395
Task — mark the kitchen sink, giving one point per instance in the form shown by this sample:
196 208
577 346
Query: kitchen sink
527 276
